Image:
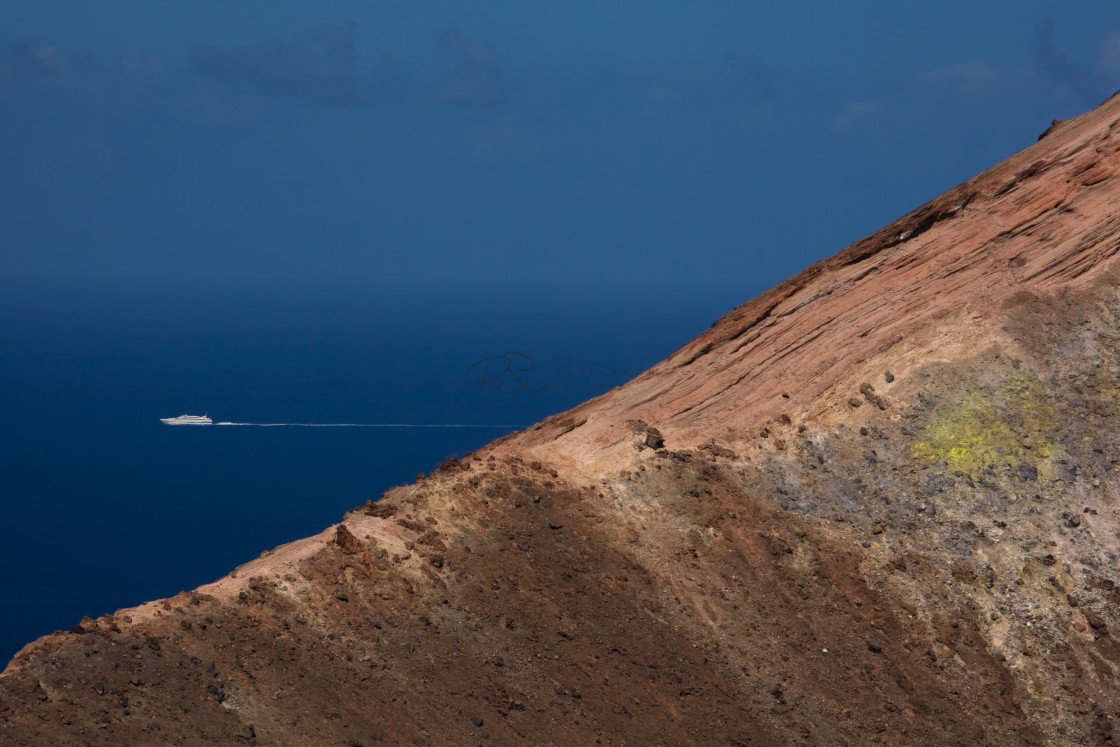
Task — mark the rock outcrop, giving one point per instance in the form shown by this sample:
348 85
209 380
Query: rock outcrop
876 504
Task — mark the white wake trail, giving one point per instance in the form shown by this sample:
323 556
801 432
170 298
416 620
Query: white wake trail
370 425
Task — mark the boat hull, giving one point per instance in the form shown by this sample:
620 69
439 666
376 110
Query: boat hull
187 420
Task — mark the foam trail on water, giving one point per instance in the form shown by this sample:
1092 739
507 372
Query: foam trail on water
370 425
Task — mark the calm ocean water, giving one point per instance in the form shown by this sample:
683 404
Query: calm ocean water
104 507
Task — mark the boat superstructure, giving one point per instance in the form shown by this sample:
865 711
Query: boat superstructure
187 420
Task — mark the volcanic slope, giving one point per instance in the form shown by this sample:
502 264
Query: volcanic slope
876 504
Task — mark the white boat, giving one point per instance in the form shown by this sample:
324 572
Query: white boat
187 420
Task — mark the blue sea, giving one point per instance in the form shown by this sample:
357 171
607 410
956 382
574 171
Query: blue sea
104 507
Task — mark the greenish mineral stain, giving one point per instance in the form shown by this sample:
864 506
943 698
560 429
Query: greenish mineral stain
984 427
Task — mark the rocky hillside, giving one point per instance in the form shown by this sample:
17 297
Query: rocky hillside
876 504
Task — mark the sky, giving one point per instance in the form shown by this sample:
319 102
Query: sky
428 143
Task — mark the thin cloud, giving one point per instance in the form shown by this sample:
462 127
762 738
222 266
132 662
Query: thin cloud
734 83
855 114
751 76
1049 59
317 66
475 76
392 80
976 76
321 66
1108 63
34 64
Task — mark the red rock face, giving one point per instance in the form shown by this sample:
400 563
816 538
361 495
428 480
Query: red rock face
1043 220
875 504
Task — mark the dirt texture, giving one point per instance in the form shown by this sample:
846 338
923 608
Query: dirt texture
878 504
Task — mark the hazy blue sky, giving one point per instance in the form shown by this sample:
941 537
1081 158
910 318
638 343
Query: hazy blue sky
435 141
